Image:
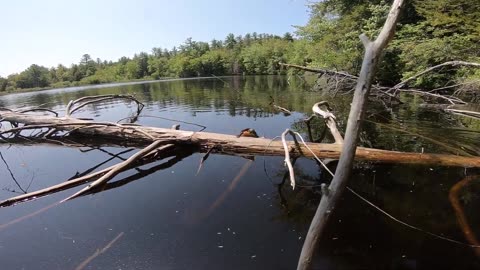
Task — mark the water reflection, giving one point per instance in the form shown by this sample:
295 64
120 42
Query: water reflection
229 216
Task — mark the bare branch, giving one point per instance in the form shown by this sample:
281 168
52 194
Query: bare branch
449 63
84 101
321 71
120 167
288 162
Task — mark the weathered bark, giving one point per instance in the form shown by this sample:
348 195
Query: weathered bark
373 52
228 144
329 120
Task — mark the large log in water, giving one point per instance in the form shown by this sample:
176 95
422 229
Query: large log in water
224 143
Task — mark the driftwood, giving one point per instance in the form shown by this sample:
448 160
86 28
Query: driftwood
90 176
74 132
329 120
373 52
121 167
223 143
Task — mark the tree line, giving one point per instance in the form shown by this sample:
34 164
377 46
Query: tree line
430 32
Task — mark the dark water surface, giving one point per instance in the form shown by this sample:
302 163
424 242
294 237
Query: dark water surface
231 215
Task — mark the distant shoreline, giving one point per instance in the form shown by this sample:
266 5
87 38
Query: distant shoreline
110 84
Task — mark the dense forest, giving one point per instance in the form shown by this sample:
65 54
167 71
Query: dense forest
430 32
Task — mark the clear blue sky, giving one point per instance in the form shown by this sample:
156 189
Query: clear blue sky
50 32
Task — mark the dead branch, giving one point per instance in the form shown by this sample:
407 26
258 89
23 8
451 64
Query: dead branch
321 71
452 100
79 180
329 120
401 84
178 155
77 104
39 110
204 158
288 162
461 218
373 52
454 86
229 144
11 174
120 167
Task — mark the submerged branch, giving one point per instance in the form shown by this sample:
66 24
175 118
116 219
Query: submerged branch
227 144
120 167
453 196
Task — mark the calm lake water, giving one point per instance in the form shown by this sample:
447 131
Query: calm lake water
233 214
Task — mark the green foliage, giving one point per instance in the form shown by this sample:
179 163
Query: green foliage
213 62
3 84
33 77
430 32
263 58
230 41
158 67
334 28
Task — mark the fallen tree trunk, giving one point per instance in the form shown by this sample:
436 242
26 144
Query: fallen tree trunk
228 144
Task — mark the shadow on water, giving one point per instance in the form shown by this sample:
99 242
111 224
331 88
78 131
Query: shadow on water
234 214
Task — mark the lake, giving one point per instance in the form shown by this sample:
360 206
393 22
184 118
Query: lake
233 214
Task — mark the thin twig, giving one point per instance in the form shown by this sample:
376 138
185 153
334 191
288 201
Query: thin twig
84 101
120 167
453 86
169 119
321 71
39 110
70 183
452 100
11 173
204 158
